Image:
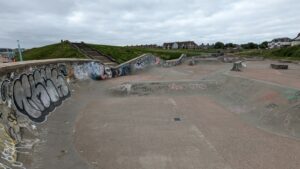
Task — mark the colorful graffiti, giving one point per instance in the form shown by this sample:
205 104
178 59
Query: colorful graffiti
80 72
144 62
139 63
108 72
93 70
124 70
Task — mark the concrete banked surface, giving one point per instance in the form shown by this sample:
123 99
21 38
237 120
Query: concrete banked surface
201 116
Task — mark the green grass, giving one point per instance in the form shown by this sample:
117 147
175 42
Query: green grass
291 53
59 50
122 54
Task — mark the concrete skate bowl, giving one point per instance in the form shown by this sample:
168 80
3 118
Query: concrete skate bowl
57 114
269 107
211 120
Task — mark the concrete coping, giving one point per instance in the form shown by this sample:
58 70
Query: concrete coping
132 60
8 67
182 56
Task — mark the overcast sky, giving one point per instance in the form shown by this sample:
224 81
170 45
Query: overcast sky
125 22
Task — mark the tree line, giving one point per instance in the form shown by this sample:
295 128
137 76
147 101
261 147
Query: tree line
250 45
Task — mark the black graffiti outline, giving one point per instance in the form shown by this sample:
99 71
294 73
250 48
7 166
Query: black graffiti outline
45 89
63 69
124 70
4 90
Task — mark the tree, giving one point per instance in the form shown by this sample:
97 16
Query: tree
230 45
219 45
250 45
263 45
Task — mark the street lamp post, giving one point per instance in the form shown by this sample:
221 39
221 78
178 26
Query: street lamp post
20 53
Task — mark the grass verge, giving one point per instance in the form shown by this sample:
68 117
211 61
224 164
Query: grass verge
59 50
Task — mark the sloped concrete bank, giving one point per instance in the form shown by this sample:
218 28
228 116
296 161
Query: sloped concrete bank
31 90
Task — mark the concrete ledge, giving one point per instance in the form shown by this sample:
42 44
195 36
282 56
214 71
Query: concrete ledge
276 66
8 67
133 60
237 66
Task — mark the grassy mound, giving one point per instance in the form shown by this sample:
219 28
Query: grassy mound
292 53
122 54
59 50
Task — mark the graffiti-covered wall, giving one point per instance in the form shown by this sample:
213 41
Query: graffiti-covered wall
92 70
137 64
29 92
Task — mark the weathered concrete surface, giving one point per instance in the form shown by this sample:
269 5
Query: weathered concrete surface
56 148
12 66
261 70
139 131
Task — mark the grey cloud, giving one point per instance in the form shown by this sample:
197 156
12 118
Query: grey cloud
122 22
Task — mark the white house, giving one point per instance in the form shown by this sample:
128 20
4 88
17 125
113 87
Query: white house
175 45
280 42
296 41
180 45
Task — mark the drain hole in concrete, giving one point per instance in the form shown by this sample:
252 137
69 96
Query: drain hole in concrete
177 119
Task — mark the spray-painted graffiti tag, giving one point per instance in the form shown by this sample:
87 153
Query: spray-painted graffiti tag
4 90
93 70
37 94
8 151
134 65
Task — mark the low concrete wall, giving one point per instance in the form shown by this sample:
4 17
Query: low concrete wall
174 62
29 92
277 66
134 65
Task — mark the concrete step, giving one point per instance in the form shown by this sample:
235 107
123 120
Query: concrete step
94 54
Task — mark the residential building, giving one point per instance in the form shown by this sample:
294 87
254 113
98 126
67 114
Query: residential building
6 54
204 46
146 46
296 41
180 45
280 42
